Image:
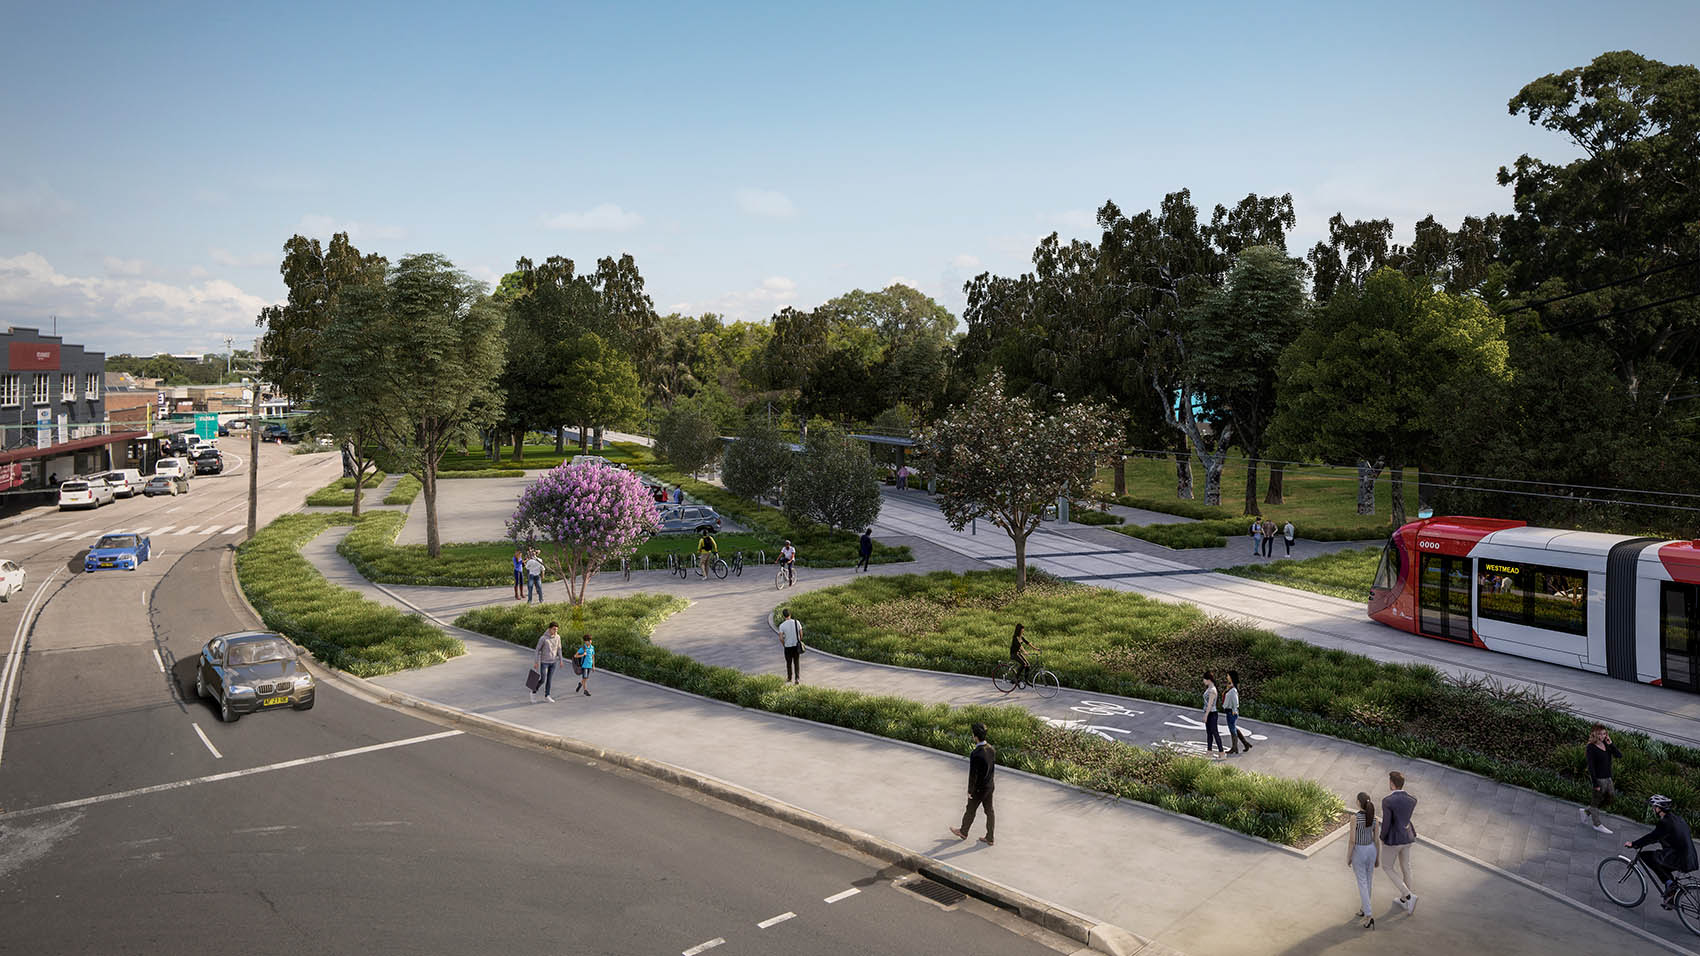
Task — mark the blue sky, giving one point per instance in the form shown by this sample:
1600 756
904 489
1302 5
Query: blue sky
750 156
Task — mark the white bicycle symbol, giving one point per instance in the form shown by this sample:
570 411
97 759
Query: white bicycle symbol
1105 708
1085 727
1193 723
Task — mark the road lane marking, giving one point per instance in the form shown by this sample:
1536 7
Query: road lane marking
156 658
703 947
203 735
10 538
15 660
34 537
233 529
188 529
852 891
782 917
164 530
63 535
218 777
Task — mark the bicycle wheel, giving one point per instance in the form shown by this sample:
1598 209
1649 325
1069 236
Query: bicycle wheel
1688 908
1621 881
779 580
1046 684
720 569
1004 679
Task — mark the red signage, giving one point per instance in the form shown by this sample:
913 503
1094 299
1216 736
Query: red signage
34 356
11 475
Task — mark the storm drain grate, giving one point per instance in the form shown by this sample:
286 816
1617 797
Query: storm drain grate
937 892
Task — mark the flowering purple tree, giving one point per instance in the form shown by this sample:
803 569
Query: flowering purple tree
581 517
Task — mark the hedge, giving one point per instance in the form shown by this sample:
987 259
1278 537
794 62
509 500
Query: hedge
340 493
1215 532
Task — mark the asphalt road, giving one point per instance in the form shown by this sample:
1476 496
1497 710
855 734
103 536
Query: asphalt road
420 840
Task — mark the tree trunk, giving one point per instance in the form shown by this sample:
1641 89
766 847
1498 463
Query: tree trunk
1213 481
560 439
428 481
583 438
1367 473
519 444
359 479
1020 560
1397 473
1251 485
1120 468
1276 495
1183 475
599 438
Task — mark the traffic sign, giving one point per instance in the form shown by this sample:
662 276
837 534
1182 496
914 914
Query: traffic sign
206 425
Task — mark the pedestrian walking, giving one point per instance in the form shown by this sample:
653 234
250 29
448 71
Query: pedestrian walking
865 548
584 660
1231 707
1268 538
1363 855
1600 752
678 494
534 577
903 478
1256 538
982 765
544 661
1399 833
519 574
1212 736
1287 536
791 639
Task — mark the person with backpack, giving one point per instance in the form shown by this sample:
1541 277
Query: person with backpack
584 661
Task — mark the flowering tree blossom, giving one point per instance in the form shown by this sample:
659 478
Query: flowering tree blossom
1002 459
582 516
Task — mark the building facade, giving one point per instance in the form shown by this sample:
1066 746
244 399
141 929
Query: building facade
53 411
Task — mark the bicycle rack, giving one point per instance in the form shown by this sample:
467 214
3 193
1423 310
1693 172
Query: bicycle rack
646 562
761 557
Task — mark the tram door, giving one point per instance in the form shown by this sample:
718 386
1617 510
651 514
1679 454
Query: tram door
1679 614
1444 597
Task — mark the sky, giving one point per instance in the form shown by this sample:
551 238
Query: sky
155 157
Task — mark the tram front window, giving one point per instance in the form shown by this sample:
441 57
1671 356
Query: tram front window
1387 569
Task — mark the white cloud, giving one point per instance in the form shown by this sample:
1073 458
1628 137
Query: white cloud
766 203
774 293
965 262
225 257
198 272
606 217
127 313
903 280
318 226
124 267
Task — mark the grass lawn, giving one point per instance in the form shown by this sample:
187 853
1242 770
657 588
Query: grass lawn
1287 811
1315 495
341 628
371 548
1115 642
1343 574
539 457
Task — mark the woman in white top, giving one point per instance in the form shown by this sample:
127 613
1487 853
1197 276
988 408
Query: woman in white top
1231 707
1363 855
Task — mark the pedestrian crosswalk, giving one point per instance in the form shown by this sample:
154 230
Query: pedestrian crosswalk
44 537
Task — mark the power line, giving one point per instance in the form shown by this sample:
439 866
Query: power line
1606 285
1622 312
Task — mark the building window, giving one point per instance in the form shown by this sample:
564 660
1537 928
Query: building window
1555 599
40 389
8 390
91 386
68 388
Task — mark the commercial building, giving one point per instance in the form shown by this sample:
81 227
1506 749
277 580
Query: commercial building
53 413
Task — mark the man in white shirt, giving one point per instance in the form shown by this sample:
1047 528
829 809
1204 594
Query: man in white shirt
1287 535
791 637
788 561
534 577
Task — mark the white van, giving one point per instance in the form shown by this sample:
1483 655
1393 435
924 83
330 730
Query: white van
125 482
173 468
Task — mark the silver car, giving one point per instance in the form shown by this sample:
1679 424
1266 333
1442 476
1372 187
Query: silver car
252 670
693 518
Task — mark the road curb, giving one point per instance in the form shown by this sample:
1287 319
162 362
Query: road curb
1099 936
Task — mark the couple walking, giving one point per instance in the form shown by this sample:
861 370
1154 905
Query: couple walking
1218 703
548 656
528 571
1396 832
1263 533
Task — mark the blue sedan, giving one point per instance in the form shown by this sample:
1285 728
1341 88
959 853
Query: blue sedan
120 549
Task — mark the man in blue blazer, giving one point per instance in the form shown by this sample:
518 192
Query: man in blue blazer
1397 835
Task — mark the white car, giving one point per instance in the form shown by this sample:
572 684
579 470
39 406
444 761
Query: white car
11 580
85 493
125 482
173 468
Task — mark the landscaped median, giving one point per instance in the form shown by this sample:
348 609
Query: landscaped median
1215 532
1292 812
340 493
1125 644
1343 574
342 629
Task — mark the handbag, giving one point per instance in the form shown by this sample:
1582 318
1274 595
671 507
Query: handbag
533 680
802 648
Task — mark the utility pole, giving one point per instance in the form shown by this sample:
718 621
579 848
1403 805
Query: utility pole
253 373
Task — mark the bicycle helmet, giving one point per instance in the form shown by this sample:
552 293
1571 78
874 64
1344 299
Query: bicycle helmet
1660 800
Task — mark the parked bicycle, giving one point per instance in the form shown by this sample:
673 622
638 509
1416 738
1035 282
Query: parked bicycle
1043 681
1624 881
678 566
737 564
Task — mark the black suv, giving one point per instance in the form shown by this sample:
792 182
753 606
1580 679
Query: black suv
277 433
208 461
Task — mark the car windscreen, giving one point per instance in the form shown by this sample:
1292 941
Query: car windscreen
160 481
258 652
74 486
117 541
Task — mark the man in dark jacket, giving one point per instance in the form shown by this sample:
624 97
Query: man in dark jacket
1676 846
1398 835
867 549
982 764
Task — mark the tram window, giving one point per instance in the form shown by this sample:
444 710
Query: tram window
1554 599
1387 569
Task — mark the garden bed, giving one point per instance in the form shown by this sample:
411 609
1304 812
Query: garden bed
340 493
1215 533
1343 574
404 492
1120 643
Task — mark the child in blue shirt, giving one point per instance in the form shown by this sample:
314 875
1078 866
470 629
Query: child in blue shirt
585 657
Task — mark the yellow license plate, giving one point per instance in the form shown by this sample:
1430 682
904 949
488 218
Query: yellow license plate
274 701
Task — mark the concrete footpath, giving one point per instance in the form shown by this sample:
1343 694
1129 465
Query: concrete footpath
1184 884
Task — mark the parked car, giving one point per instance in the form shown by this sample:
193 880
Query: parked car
250 671
85 493
234 426
173 467
166 485
207 461
693 518
277 433
125 482
11 579
597 459
125 550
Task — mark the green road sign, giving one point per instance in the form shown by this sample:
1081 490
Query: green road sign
206 425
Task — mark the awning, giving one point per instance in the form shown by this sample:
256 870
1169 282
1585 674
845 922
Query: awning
67 447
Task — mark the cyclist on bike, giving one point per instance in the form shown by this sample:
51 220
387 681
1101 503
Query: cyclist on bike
788 561
706 551
1019 656
1676 847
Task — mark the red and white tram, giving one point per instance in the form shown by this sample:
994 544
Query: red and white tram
1623 606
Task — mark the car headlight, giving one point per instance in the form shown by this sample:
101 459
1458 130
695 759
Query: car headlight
304 682
241 689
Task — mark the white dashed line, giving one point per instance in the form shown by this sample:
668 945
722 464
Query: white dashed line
34 537
203 735
234 529
164 530
852 891
191 529
10 538
703 947
62 536
156 658
782 917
